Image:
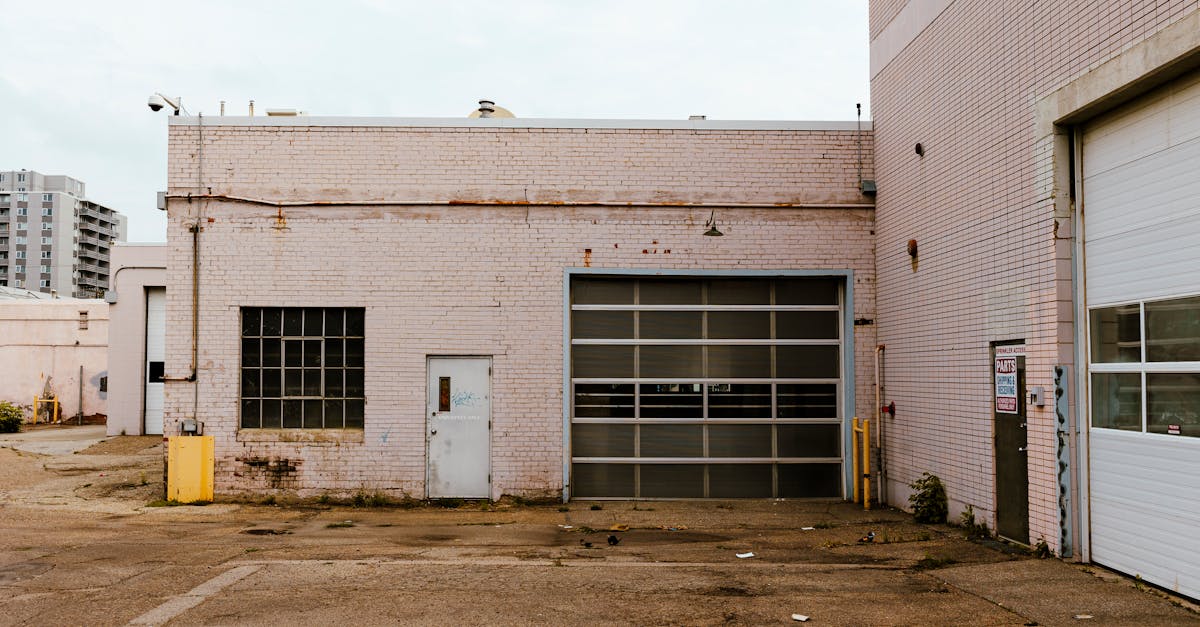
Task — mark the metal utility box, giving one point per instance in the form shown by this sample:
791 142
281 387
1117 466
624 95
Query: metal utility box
190 468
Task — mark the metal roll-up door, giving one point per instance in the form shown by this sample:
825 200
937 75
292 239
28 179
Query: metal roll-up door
706 387
1141 216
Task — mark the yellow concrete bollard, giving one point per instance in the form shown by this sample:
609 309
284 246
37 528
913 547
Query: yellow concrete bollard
190 468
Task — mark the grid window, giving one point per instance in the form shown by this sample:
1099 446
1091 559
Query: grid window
47 198
302 368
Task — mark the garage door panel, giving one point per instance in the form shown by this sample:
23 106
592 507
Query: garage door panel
1144 127
1147 264
1143 194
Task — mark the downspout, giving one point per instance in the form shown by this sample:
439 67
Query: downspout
881 472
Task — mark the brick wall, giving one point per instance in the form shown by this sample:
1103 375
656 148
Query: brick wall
471 279
981 205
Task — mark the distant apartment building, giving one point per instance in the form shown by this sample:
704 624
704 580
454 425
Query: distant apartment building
52 238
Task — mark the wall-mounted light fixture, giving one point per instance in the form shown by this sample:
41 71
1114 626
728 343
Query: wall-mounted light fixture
912 248
712 231
920 150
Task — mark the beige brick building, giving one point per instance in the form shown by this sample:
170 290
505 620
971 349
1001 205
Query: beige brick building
999 127
527 307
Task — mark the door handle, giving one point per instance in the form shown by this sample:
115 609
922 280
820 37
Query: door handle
1022 449
1024 425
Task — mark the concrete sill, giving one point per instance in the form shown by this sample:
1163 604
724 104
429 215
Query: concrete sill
311 436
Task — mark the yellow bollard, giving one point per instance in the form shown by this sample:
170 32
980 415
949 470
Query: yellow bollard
862 460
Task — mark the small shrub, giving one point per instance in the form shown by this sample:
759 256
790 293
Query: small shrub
11 417
1041 550
928 502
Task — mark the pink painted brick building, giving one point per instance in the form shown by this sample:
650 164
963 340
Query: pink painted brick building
616 342
999 127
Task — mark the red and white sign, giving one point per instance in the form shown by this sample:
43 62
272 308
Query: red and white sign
1006 378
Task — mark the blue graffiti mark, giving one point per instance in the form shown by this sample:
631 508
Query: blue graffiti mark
464 398
383 438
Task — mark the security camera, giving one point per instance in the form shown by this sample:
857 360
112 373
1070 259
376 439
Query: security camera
156 102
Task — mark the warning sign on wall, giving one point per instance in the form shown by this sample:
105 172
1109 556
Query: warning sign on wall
1006 377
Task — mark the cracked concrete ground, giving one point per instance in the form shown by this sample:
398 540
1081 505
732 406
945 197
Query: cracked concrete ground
80 546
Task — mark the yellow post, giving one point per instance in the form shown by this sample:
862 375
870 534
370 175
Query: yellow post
190 468
854 455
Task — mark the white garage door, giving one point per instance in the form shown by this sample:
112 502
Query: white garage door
156 335
1141 205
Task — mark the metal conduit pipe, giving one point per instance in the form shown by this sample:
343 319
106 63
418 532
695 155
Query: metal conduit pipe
881 472
516 203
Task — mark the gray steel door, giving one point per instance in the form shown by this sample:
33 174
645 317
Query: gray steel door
459 427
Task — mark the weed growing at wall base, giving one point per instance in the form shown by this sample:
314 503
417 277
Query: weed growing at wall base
11 417
929 499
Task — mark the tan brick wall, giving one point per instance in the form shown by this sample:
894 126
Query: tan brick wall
476 280
980 205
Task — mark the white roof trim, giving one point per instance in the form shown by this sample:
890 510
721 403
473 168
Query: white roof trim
549 123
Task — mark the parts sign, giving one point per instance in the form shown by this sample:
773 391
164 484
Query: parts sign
1006 377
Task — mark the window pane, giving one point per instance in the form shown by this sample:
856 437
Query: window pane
603 400
251 352
672 480
335 322
734 400
334 388
592 480
272 352
333 414
312 353
250 382
354 383
293 382
354 352
670 325
1173 330
806 325
669 292
602 324
272 320
293 352
1173 403
251 321
674 362
312 381
333 352
250 414
807 291
313 416
807 400
810 480
739 440
293 414
672 441
739 481
355 322
1116 334
293 321
271 410
313 321
806 362
598 440
672 400
271 387
354 414
739 325
602 361
739 292
739 361
809 440
602 291
1117 400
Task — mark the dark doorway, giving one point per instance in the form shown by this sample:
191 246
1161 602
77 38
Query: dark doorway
1011 438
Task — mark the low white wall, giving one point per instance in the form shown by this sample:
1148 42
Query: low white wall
135 268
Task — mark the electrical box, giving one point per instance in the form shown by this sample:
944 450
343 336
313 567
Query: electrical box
1037 396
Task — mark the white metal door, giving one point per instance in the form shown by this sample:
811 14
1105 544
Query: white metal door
156 335
459 427
1141 208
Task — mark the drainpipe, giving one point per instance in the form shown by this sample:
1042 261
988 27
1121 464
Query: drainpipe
195 231
881 472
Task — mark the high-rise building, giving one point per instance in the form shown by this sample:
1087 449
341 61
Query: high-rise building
52 238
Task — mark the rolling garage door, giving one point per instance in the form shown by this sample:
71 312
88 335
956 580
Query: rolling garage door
687 387
1141 205
156 335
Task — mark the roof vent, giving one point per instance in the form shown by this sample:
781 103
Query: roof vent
697 117
486 108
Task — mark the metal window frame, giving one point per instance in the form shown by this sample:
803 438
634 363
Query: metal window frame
846 392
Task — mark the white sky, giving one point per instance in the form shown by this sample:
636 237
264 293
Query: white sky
75 75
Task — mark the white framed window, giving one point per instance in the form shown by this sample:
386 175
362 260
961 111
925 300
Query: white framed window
45 254
1 177
47 211
47 198
20 253
46 226
18 269
45 283
44 269
47 240
20 178
22 197
21 226
22 211
18 283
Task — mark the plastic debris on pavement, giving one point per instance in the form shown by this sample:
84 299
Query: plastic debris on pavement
800 618
618 527
807 528
744 555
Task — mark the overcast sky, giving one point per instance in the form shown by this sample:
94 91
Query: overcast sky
75 76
